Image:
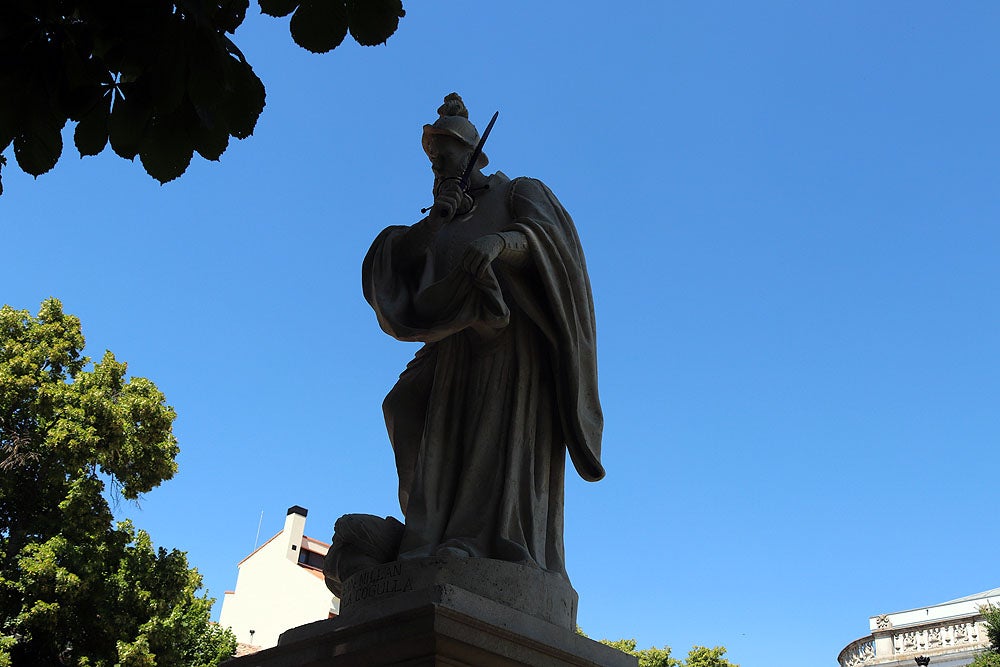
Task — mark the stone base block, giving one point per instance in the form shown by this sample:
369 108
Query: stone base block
435 627
544 595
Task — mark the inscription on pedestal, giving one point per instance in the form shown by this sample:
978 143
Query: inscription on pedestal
376 582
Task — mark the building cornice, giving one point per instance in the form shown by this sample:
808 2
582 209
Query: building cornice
887 645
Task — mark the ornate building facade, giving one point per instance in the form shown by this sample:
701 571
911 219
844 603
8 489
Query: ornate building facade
950 634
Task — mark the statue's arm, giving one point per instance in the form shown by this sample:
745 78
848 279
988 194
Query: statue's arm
414 243
411 246
510 247
419 235
515 247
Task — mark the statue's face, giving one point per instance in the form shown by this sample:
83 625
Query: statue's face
448 157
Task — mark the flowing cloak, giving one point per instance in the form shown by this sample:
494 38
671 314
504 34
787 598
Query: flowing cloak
506 382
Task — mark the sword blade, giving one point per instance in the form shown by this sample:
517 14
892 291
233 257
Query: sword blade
477 152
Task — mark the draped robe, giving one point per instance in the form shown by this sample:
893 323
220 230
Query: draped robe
481 418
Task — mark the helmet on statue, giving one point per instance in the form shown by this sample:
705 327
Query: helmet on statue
453 121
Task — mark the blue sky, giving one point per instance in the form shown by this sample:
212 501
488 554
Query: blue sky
790 216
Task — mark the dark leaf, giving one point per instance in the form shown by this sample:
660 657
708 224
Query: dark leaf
207 61
41 89
245 101
372 22
169 74
130 118
231 14
210 142
38 148
91 134
129 32
85 79
24 100
319 25
278 8
8 116
233 50
167 151
77 102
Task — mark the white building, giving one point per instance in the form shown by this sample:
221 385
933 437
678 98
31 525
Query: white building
950 634
279 586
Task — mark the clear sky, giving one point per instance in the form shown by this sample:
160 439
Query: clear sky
790 212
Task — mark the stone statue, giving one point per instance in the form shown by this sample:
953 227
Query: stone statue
494 283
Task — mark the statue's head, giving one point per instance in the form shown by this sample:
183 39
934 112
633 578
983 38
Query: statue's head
453 124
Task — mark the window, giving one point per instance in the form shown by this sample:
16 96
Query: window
311 558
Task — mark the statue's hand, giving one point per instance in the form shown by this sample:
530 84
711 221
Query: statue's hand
448 200
481 252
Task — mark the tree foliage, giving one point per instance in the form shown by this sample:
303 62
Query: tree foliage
986 659
649 657
698 656
992 615
991 656
74 588
158 79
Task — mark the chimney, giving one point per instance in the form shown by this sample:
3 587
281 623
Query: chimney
295 526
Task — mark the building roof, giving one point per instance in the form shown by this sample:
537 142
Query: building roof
313 542
259 548
939 607
245 649
993 592
306 542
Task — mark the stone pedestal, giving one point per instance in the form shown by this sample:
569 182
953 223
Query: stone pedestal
422 614
530 590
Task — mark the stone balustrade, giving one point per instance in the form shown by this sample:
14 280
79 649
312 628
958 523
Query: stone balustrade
858 652
888 645
961 633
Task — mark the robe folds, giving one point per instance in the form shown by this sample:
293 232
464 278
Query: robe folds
505 383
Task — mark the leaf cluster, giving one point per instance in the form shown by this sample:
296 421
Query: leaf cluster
157 79
991 656
74 589
110 600
992 615
321 25
698 656
649 657
701 656
986 659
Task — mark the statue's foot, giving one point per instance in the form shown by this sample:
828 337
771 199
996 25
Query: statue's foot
360 541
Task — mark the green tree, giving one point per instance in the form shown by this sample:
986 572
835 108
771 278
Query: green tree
698 656
986 659
991 656
75 589
161 79
649 657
